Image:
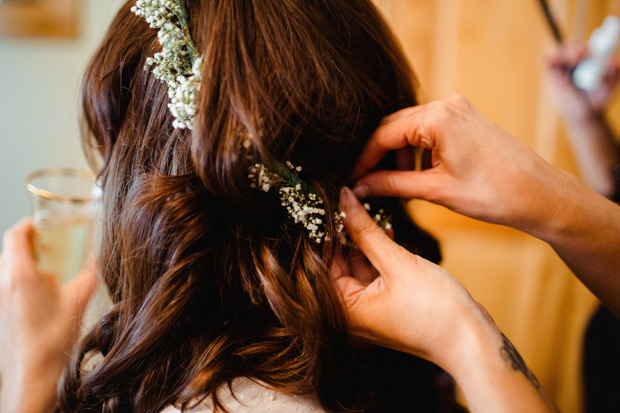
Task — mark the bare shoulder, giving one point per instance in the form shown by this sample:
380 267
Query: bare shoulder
248 396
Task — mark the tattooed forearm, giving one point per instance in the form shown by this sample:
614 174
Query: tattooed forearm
516 362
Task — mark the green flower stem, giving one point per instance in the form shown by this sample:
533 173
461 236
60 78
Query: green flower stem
185 27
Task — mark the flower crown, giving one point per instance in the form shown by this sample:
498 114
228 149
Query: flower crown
179 66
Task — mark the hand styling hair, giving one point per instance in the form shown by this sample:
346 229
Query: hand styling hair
210 279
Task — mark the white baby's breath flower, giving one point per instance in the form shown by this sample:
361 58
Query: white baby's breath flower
177 65
302 206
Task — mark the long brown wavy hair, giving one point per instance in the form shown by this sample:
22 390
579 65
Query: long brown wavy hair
211 280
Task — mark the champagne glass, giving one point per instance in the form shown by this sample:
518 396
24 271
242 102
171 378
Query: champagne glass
63 203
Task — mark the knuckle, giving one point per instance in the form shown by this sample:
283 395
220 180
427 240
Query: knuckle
391 184
459 100
466 103
437 105
366 230
413 130
462 99
418 133
414 260
457 105
445 110
425 130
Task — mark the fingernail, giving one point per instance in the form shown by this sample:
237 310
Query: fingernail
361 191
345 194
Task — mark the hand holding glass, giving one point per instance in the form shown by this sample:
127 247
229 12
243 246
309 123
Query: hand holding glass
63 213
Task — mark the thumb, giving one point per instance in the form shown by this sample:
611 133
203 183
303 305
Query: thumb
376 245
400 184
81 289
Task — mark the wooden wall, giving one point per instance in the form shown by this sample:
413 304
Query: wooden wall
492 51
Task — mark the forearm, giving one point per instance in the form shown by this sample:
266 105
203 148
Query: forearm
584 229
585 232
594 149
492 375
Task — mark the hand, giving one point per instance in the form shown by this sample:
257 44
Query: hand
402 301
407 303
40 324
575 104
478 169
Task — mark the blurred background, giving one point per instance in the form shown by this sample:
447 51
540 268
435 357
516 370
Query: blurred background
44 48
491 51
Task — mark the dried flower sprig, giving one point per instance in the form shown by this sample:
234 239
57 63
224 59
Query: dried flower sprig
179 65
301 201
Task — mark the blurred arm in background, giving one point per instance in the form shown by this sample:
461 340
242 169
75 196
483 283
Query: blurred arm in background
591 139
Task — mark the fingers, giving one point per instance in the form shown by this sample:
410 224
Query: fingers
380 250
361 268
401 184
18 247
339 268
81 289
398 132
566 57
401 113
348 286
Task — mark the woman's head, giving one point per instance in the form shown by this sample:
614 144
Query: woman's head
308 79
211 279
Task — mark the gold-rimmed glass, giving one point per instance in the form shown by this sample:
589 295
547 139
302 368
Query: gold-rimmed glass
63 203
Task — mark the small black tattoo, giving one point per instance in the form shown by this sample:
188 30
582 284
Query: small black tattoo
516 362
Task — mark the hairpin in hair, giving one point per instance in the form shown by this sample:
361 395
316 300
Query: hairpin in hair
179 65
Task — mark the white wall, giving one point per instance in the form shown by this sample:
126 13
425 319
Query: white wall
39 97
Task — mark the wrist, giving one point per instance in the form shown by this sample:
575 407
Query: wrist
537 199
471 336
570 203
490 372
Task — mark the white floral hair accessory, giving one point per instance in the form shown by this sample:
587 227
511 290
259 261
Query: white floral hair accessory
302 202
179 65
304 206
